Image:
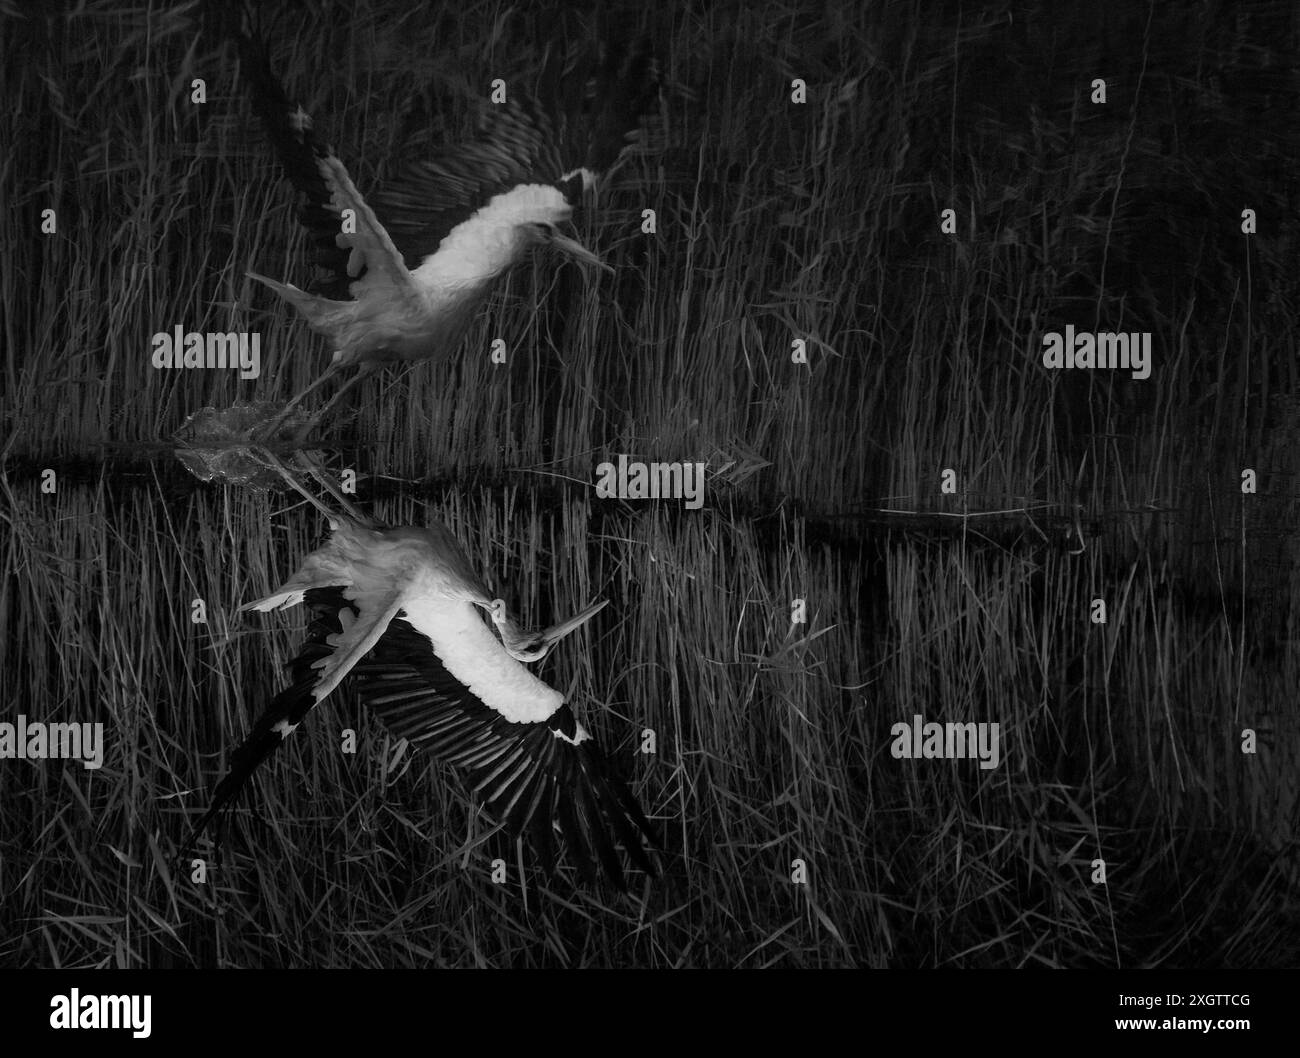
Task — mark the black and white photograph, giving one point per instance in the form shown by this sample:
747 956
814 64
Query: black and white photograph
798 485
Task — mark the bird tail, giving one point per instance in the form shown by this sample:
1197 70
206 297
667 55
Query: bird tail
327 570
297 297
321 314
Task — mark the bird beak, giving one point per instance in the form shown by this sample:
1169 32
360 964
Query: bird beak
523 645
557 632
577 251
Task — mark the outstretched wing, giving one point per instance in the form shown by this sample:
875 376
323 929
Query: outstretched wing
431 196
312 674
292 136
565 129
374 264
570 125
464 699
529 775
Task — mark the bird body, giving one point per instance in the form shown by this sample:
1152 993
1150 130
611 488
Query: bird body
493 238
399 610
398 314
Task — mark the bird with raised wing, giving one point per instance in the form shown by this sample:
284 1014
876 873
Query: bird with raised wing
405 272
398 612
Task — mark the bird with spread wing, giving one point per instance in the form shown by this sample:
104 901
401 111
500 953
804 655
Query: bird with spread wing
398 612
406 270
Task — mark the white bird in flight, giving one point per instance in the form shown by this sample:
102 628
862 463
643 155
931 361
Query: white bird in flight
397 610
405 276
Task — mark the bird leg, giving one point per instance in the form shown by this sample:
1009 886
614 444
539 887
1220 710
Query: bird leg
302 434
328 484
268 434
304 464
272 460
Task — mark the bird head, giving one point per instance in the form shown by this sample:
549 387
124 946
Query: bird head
551 236
529 646
519 644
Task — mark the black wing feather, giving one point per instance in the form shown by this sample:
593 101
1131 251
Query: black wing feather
295 144
542 830
431 196
620 92
597 835
291 705
584 118
574 836
520 772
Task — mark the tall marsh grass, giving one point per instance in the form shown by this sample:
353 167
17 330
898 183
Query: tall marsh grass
775 221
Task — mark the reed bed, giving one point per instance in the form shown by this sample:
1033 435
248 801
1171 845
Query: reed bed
775 222
772 746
